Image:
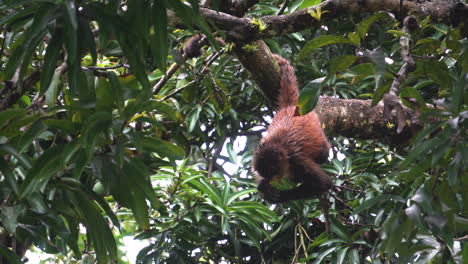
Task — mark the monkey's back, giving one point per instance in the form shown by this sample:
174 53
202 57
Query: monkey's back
300 135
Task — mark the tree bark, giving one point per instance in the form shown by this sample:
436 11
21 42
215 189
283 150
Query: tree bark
242 30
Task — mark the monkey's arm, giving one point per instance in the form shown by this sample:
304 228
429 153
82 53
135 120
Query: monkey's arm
314 183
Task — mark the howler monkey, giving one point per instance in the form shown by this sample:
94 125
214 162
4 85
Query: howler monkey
293 147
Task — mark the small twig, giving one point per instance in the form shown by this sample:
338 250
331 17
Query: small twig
191 49
283 7
157 88
463 238
348 189
390 99
178 90
325 204
199 77
214 158
426 57
3 47
341 201
372 161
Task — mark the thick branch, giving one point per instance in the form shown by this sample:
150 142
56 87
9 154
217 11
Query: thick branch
262 58
358 119
242 30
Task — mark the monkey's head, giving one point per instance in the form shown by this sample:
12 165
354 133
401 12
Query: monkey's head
269 160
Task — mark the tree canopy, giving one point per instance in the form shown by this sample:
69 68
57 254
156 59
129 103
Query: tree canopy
108 129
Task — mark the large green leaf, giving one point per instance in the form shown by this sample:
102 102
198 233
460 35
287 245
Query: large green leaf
310 95
322 41
161 147
53 50
44 168
10 215
364 25
97 228
159 40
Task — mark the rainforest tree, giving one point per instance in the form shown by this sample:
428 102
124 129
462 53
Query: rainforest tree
108 129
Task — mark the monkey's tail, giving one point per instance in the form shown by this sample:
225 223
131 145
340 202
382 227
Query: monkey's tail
289 93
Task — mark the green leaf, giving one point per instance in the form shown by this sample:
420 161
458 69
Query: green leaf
32 36
353 256
52 90
168 110
375 200
465 253
238 194
104 96
11 114
50 60
354 37
95 125
310 95
232 154
32 133
380 92
193 117
96 227
226 192
341 255
10 178
309 3
380 66
139 172
324 254
438 72
44 168
184 12
117 90
202 185
398 33
70 12
341 63
364 25
10 216
87 38
159 40
162 147
73 60
340 230
9 255
17 15
322 238
23 159
321 41
136 62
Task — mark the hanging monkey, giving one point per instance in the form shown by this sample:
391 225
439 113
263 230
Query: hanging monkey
293 147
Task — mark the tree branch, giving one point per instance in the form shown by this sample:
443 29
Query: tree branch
359 119
390 99
243 31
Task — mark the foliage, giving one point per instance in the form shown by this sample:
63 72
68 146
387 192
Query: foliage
90 152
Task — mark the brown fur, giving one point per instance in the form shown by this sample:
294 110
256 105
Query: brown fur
293 147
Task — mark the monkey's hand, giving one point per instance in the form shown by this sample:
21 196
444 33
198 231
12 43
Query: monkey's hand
269 193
